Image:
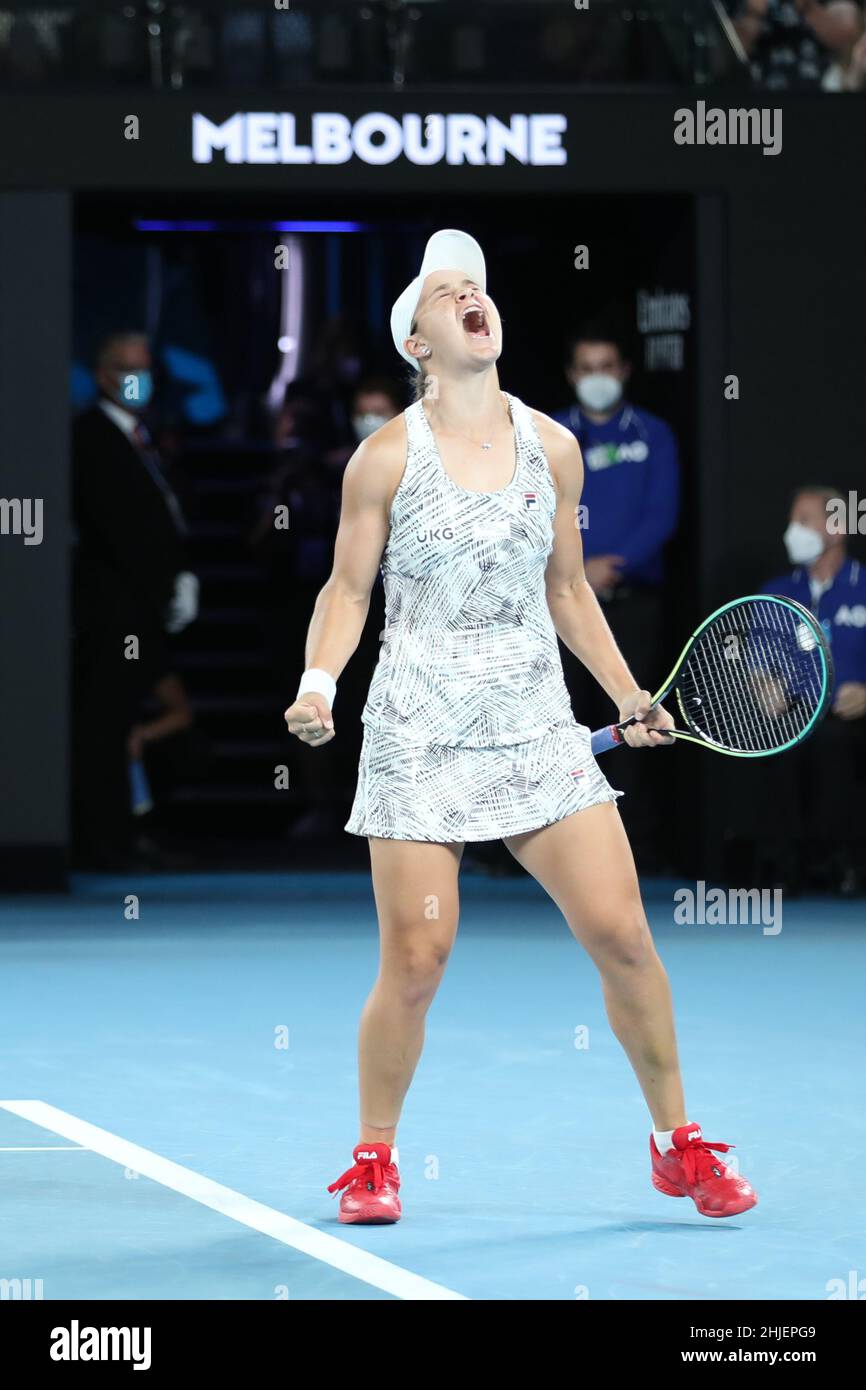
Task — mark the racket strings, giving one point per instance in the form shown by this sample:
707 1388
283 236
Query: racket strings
714 696
733 638
754 678
797 673
765 732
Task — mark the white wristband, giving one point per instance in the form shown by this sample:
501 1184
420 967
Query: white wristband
320 681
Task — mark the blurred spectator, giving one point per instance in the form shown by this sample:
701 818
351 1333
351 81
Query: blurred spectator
848 74
163 749
307 482
296 559
631 499
377 400
293 532
336 366
805 809
131 588
791 43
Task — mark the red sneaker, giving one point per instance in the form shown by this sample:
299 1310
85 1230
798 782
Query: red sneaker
694 1171
371 1187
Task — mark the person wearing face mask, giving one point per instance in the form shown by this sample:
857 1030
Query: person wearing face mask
631 501
376 401
131 580
827 580
816 795
336 367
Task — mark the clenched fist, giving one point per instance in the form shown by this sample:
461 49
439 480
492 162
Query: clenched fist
309 718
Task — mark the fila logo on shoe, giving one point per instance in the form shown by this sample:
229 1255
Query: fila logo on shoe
695 1134
364 1154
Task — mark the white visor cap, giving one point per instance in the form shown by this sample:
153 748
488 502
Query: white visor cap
446 250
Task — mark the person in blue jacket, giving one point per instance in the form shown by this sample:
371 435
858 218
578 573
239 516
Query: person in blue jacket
629 510
817 793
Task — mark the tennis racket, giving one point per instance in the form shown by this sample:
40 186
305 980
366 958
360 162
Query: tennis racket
754 679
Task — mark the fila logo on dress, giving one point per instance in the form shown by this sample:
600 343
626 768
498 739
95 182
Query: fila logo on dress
578 773
530 500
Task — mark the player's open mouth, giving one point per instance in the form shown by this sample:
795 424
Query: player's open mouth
475 322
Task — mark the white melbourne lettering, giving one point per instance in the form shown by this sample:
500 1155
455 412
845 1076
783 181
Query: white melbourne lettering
329 137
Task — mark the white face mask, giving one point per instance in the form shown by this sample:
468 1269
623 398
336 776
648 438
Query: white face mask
599 391
365 425
803 544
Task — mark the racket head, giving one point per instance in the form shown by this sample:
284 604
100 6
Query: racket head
755 679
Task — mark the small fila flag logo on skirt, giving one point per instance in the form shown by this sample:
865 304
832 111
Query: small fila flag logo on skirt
530 500
577 772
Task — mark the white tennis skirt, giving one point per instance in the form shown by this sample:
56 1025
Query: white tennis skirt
443 794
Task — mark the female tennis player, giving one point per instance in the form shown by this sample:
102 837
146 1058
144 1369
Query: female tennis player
469 502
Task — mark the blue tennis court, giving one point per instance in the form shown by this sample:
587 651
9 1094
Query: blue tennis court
179 1087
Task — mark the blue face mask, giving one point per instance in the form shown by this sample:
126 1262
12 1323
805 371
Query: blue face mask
134 389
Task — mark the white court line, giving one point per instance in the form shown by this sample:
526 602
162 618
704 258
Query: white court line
360 1264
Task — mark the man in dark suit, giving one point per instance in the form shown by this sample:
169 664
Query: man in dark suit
131 587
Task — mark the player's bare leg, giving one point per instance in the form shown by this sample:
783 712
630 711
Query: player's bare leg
417 901
585 864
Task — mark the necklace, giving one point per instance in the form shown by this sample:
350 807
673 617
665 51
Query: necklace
484 443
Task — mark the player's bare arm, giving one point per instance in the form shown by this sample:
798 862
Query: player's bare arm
577 616
371 478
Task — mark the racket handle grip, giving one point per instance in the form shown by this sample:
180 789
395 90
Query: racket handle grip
603 739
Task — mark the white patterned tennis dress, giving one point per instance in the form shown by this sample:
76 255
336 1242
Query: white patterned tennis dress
468 728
